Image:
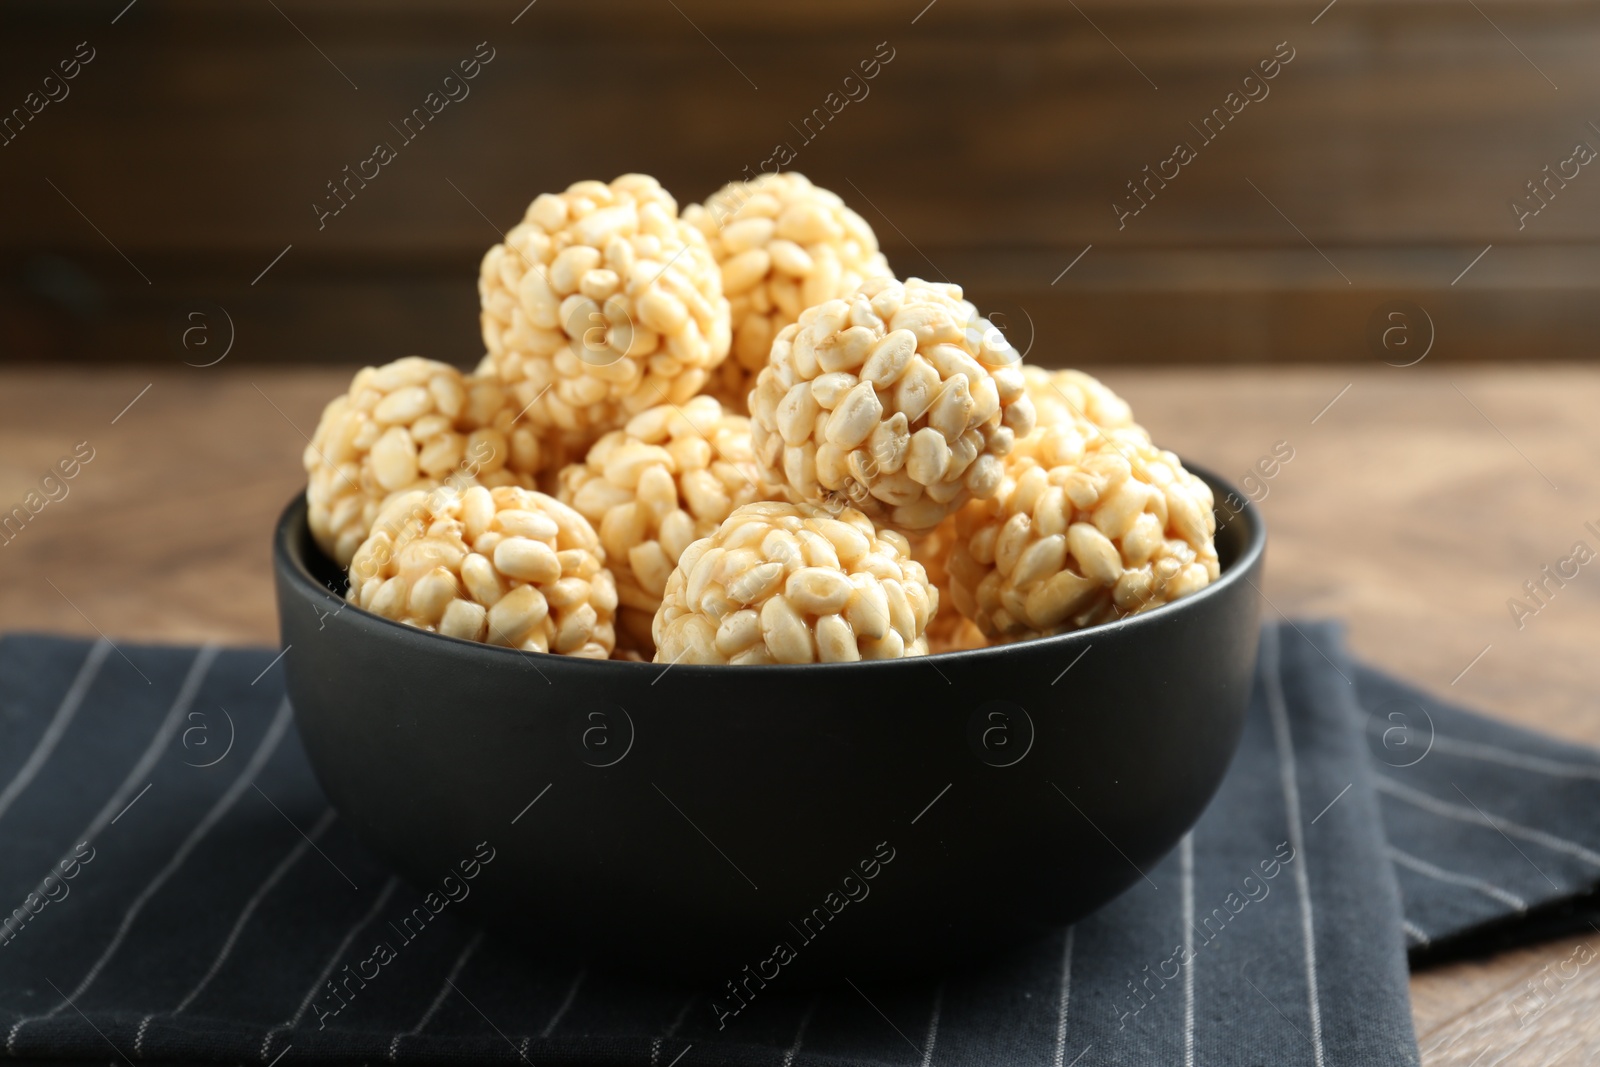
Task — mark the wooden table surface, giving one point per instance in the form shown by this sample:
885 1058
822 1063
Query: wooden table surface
1414 507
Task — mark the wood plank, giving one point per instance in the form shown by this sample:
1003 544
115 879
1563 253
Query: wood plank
1542 1005
1021 129
1188 306
995 141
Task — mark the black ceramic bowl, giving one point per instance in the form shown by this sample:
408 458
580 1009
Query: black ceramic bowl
867 817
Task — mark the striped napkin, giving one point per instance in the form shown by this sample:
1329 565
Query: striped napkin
179 891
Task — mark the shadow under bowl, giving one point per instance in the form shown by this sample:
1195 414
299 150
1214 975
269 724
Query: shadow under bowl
869 818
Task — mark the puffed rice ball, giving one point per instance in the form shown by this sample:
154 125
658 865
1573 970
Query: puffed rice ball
665 480
792 583
948 630
600 303
900 401
1090 524
505 566
1068 396
413 423
784 245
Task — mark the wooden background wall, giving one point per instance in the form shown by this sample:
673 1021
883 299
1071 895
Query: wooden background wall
989 151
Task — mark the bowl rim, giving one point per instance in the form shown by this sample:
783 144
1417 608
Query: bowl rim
290 564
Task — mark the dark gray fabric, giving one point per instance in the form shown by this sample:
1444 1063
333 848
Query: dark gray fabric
1494 831
196 911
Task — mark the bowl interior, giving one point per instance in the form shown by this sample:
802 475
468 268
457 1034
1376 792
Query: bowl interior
1240 540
